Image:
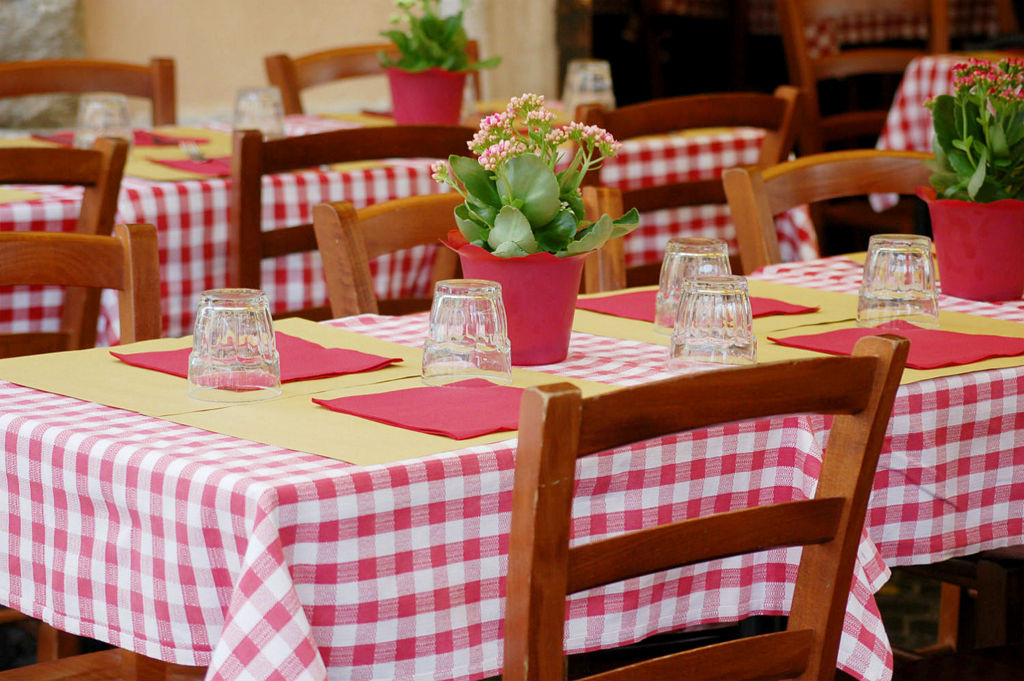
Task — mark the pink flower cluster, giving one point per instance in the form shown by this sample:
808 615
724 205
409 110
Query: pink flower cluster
1003 81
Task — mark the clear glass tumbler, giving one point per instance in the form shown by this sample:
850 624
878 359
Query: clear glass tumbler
260 108
468 334
686 258
715 323
587 81
898 282
102 114
234 355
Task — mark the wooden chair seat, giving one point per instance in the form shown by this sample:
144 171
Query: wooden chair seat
106 665
778 114
155 81
557 426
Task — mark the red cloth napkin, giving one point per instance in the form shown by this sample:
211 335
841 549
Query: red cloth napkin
458 410
142 138
640 305
929 348
300 360
214 167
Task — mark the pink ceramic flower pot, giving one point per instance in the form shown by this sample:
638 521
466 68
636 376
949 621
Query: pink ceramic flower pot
431 97
539 292
979 246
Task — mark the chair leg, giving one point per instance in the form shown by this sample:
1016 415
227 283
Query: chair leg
52 644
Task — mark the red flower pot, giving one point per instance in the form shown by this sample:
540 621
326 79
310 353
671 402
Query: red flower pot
539 292
979 246
431 97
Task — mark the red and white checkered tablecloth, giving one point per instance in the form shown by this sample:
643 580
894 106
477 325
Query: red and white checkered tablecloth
951 477
191 218
265 563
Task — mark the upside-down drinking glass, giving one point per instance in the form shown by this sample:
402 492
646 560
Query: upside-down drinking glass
715 323
234 354
898 282
468 333
686 258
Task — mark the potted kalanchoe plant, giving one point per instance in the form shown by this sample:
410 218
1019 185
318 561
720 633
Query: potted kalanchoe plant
523 224
428 78
976 198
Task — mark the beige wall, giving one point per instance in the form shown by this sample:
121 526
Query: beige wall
219 45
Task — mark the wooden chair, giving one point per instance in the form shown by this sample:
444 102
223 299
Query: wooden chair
99 171
808 70
253 158
556 426
292 75
854 113
154 82
757 195
348 239
778 114
127 262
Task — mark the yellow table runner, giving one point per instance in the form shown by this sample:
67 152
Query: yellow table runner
140 166
838 310
291 420
10 195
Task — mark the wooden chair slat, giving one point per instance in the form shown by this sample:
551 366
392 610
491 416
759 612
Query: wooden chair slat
155 81
795 523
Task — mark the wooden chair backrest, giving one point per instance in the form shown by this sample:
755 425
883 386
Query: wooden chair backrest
127 262
292 75
350 238
155 81
757 195
557 425
778 114
98 171
252 158
806 70
605 269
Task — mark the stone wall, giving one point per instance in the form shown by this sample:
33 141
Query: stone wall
39 29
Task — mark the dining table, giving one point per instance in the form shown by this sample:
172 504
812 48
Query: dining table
189 205
967 19
284 540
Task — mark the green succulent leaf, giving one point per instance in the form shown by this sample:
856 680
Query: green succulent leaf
943 121
978 177
471 226
527 182
556 235
478 181
512 225
592 237
575 203
997 140
622 226
510 249
484 211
